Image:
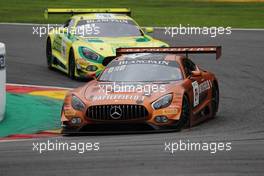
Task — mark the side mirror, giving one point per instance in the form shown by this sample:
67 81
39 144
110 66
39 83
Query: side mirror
196 73
148 29
69 36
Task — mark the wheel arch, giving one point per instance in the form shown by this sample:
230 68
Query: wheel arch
71 51
51 37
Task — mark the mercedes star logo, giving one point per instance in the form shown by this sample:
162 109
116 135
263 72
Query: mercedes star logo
115 112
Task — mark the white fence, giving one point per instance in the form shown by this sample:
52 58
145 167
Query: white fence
2 81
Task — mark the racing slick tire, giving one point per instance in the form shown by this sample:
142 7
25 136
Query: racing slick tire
184 120
72 66
215 99
49 54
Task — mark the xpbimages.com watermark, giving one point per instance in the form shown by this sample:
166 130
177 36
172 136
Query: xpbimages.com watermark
191 30
186 145
84 30
147 89
56 145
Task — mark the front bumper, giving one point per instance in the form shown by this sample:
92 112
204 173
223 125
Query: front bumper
86 68
91 124
119 129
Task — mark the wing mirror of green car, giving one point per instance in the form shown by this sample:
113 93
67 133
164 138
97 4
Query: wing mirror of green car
70 36
148 29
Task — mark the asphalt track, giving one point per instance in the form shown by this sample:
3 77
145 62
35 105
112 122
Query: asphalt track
240 119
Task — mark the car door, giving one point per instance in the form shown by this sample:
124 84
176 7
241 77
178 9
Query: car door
200 85
62 41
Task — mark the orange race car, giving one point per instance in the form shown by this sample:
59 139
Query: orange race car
145 88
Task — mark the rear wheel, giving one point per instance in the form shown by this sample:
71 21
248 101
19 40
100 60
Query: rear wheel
72 66
185 114
215 99
49 54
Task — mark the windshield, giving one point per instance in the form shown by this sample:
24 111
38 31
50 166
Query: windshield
141 71
107 28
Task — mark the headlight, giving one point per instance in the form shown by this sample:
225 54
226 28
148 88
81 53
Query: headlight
162 102
88 54
77 104
92 68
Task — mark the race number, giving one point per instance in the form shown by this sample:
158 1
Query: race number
195 93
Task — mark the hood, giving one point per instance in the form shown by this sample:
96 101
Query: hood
126 93
106 46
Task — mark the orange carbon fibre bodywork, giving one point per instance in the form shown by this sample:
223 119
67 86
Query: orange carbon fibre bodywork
93 96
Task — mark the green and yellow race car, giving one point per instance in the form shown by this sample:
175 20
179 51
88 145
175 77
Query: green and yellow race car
88 40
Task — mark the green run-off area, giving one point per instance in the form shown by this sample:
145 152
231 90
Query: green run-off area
27 114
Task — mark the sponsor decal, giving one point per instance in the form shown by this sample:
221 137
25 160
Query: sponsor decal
104 16
204 86
109 20
198 89
63 49
69 112
146 61
117 97
57 43
2 62
169 111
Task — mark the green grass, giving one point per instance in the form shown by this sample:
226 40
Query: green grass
145 12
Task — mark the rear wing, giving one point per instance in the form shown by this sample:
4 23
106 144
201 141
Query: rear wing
174 50
48 11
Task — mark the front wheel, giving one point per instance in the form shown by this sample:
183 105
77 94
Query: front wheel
49 54
185 114
72 66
